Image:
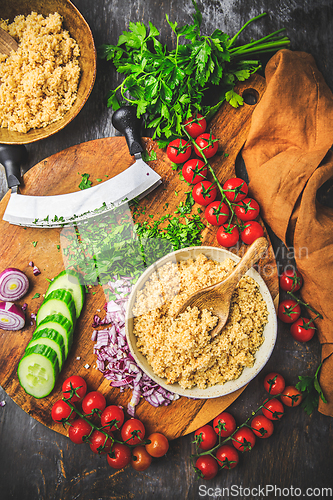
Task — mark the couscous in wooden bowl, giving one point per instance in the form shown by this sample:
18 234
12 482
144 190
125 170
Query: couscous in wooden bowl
79 30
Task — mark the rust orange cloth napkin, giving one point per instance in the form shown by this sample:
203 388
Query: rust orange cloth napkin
288 157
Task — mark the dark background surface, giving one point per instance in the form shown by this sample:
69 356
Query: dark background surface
37 463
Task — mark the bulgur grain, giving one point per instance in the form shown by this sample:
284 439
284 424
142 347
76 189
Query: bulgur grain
181 349
38 82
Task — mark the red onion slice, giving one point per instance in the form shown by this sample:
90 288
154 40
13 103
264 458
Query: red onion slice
11 316
13 284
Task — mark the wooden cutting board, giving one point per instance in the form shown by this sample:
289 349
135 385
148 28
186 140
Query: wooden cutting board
60 174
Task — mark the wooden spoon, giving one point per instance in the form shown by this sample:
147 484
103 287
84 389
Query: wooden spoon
7 43
217 298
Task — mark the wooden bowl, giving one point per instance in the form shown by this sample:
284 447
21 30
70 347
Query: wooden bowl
80 31
262 355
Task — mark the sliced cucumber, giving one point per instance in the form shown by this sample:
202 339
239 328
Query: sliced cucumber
62 325
51 338
58 301
38 370
72 281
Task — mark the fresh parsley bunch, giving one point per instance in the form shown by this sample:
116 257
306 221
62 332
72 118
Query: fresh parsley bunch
167 85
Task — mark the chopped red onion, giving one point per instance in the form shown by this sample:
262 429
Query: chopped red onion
36 271
114 359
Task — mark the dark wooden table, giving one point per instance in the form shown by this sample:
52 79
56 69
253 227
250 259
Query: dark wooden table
38 464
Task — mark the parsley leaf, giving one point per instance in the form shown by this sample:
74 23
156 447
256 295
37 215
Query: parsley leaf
85 182
310 386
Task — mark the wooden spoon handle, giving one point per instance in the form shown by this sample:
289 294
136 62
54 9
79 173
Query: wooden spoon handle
252 255
7 43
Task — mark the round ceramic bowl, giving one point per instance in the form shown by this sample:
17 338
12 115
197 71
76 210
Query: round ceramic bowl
78 28
262 355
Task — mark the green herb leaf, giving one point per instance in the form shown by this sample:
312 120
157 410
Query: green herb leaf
311 387
85 182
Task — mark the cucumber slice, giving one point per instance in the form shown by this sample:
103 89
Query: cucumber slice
58 301
52 339
38 370
62 325
72 281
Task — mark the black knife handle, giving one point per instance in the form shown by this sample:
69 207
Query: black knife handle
12 157
126 122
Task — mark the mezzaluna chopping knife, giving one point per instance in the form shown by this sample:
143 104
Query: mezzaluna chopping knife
56 211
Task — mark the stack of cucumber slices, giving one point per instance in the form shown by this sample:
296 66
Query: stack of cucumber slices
53 337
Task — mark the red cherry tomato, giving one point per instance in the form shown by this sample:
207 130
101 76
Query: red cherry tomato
244 439
141 459
224 424
93 402
247 209
194 171
273 409
227 236
204 192
274 383
217 213
75 386
119 456
289 311
302 330
208 144
179 150
206 437
251 232
227 457
195 125
133 431
112 415
291 280
235 189
291 396
61 412
158 445
99 443
262 426
207 466
79 431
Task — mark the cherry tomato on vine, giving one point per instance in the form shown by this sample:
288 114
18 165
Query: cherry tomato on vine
195 125
227 456
208 143
141 459
252 231
291 396
133 431
273 409
77 384
224 424
194 171
93 402
158 445
206 437
79 431
227 236
235 189
204 192
289 311
179 150
119 456
112 413
244 439
61 412
217 213
208 466
262 426
302 330
99 443
291 280
274 383
247 209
